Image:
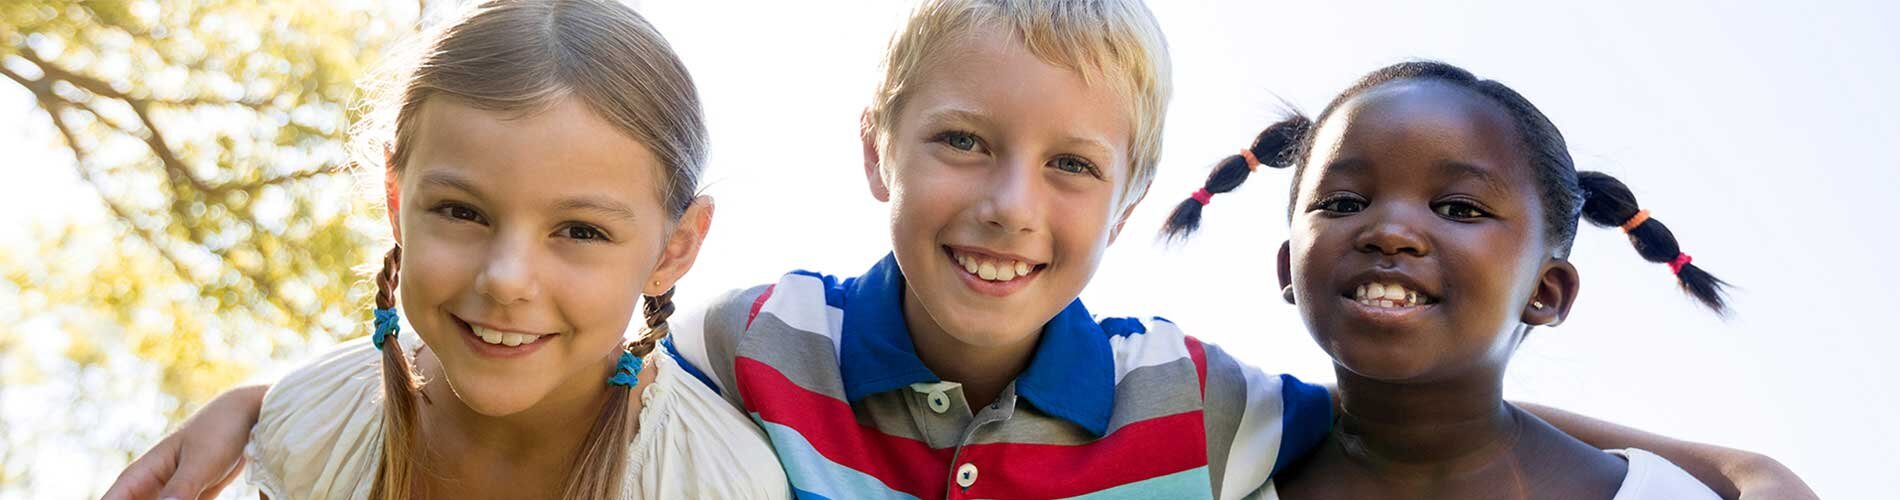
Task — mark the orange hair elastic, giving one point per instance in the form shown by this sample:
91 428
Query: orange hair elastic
1636 220
1252 162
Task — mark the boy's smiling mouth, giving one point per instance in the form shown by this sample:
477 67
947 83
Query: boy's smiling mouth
993 273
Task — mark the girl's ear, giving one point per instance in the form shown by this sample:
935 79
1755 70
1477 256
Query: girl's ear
392 192
682 247
1556 291
1286 264
1286 270
873 168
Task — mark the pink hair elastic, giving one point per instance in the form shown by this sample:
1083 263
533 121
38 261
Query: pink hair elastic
1201 195
1682 259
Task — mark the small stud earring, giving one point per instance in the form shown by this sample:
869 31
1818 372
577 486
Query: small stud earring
1537 304
1287 294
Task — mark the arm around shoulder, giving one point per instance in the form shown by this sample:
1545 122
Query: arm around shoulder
1732 473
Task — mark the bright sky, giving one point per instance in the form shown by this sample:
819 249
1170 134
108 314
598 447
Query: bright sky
1758 130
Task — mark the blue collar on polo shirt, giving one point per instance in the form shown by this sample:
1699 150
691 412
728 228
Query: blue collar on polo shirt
1071 375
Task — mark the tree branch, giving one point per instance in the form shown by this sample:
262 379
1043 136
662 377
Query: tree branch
53 104
154 140
80 159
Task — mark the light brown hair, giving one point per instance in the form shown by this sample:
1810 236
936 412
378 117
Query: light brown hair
520 57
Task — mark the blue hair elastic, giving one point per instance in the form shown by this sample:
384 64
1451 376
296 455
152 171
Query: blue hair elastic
627 371
386 326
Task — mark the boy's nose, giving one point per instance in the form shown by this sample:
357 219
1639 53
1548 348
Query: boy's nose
1012 197
507 276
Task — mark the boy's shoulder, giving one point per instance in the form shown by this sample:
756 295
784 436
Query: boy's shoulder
795 295
706 340
1138 343
1256 421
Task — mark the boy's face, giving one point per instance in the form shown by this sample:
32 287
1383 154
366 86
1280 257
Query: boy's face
1005 176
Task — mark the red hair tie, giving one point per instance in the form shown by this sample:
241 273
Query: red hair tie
1682 259
1201 195
1252 162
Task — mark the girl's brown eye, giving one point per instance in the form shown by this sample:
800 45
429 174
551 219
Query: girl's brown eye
459 212
1459 210
585 233
1344 205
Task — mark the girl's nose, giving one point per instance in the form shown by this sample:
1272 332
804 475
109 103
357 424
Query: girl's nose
508 275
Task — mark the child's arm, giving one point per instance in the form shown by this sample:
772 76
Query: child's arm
201 457
1730 472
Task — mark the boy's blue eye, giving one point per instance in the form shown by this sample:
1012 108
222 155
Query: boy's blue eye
1073 165
1459 210
962 141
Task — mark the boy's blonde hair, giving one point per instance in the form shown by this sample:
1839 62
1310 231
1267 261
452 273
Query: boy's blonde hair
1116 42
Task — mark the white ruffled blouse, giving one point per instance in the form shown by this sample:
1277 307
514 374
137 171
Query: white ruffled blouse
320 435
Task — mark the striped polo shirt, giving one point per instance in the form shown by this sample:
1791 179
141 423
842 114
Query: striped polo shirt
1106 408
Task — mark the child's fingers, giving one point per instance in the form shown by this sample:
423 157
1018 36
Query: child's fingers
145 476
196 477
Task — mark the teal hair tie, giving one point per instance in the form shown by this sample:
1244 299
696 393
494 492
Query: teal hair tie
627 371
386 326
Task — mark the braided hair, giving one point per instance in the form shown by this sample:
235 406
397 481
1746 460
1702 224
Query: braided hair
1567 194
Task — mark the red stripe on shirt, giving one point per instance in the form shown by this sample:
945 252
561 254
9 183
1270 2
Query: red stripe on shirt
1135 452
903 464
757 304
1199 355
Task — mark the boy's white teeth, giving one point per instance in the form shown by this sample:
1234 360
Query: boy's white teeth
497 337
993 269
1389 295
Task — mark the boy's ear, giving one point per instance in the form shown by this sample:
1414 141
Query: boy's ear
873 168
1123 219
392 192
1556 291
682 247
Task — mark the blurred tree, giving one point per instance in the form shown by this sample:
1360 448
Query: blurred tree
213 133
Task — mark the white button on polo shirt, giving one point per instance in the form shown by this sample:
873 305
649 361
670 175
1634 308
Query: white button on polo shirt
966 475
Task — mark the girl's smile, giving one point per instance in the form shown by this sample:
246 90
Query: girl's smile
1388 300
496 342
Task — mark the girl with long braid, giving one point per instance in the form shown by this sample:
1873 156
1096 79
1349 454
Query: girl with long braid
541 174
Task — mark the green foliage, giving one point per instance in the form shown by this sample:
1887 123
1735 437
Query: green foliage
213 133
